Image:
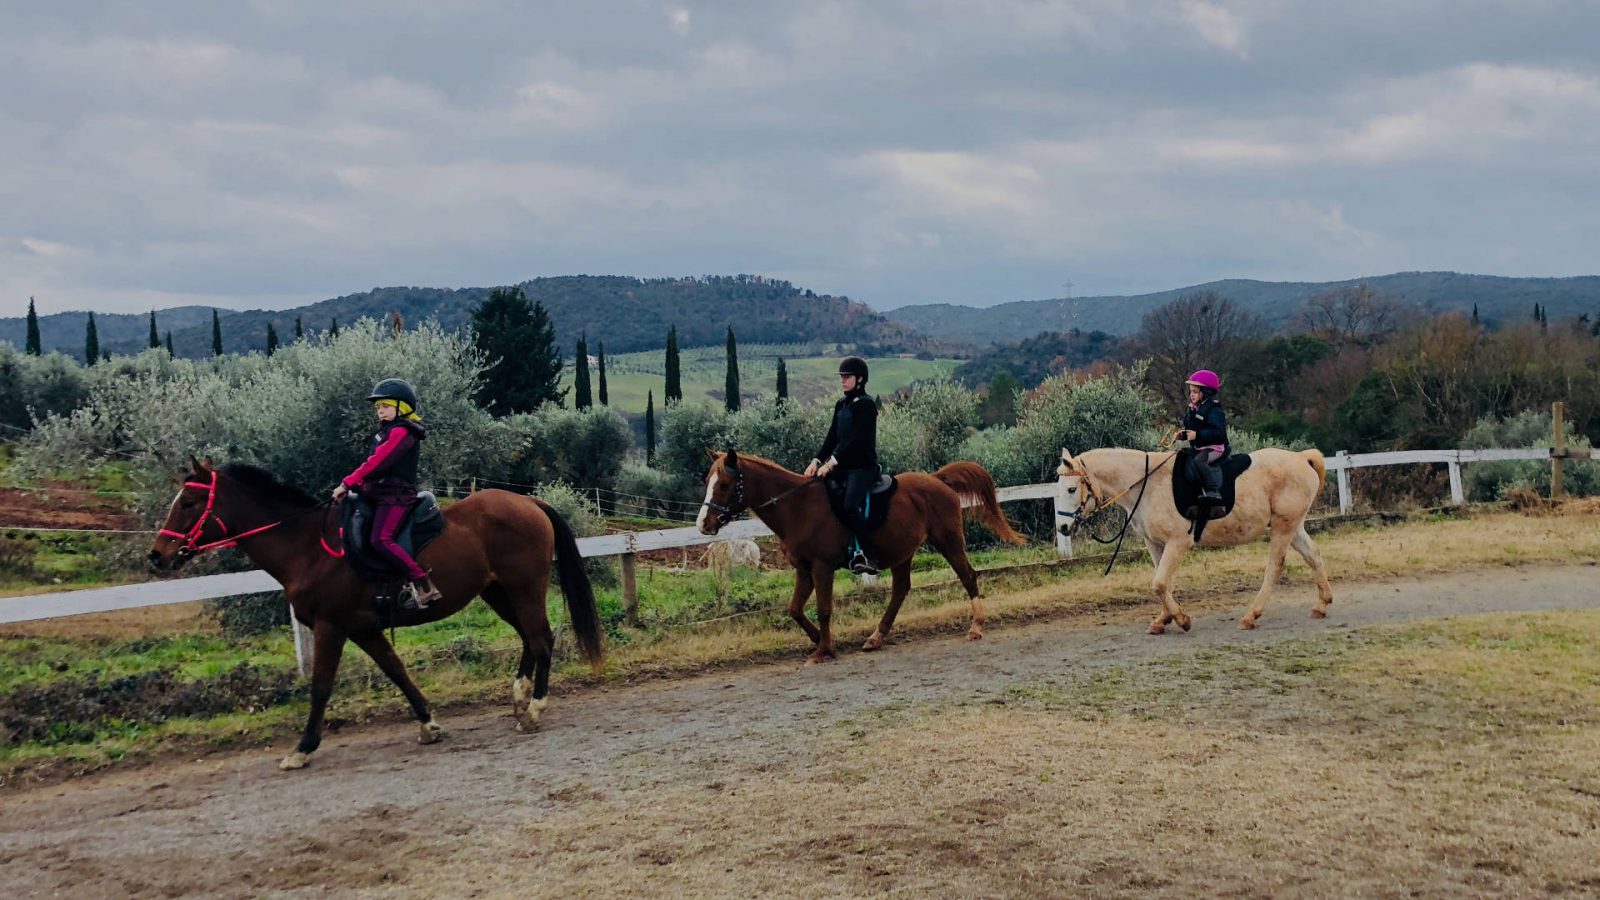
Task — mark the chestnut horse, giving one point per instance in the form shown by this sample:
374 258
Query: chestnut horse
924 509
495 544
1273 496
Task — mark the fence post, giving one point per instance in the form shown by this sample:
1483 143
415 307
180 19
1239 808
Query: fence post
1457 495
1344 483
1558 447
630 591
1063 545
302 646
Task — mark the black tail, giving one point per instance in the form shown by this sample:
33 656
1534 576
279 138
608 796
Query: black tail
576 588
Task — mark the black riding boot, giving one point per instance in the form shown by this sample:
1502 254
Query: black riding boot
858 483
864 561
1211 481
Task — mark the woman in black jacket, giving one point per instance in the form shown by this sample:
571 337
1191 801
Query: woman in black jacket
850 454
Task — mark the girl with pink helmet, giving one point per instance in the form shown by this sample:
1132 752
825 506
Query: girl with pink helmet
1205 427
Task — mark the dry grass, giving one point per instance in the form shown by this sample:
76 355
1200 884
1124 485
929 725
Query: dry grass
1436 760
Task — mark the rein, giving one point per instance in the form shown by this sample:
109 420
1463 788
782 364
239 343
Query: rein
191 538
1102 505
736 504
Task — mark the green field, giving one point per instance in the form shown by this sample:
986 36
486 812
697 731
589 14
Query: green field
813 373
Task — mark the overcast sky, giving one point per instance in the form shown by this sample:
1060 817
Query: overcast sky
278 152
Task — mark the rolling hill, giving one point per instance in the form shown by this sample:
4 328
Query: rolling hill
1499 299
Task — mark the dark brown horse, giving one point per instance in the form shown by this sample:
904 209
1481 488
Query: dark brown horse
495 544
925 509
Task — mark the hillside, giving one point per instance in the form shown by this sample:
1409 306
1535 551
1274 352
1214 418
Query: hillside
625 313
1498 299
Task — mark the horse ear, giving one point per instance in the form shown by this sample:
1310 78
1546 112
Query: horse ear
711 454
199 468
731 460
1066 457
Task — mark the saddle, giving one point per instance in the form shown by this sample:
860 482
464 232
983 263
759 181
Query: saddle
1186 491
424 523
877 502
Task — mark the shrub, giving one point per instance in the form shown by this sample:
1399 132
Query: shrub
924 430
652 493
788 433
582 447
585 521
688 430
248 614
1496 480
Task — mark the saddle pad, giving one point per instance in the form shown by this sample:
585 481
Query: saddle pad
877 500
422 526
1186 493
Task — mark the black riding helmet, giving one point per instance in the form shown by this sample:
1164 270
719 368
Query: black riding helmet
854 365
395 389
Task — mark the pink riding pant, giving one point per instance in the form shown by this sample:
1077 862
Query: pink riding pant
386 523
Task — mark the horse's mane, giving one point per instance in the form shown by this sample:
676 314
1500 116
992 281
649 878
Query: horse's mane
266 485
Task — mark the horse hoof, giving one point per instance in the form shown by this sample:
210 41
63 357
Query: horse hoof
1247 623
431 732
1318 614
1185 622
295 760
974 634
1157 628
817 657
873 643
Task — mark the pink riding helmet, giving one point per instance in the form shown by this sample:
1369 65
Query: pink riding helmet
1205 378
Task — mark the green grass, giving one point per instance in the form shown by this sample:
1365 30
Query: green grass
630 375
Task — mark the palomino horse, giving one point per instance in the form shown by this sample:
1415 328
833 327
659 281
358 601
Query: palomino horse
1276 492
925 508
495 544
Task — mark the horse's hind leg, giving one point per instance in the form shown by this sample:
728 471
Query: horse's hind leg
897 595
952 545
1277 549
327 647
382 652
532 682
1307 550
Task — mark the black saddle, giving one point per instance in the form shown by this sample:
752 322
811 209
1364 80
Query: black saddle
1186 492
877 502
425 522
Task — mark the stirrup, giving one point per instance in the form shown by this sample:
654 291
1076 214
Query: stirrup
862 565
415 599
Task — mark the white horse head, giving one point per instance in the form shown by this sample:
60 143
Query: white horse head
1071 485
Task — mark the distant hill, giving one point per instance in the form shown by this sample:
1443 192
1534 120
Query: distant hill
625 313
1033 359
1499 299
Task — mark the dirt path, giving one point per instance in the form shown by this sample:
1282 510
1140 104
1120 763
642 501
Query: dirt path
375 809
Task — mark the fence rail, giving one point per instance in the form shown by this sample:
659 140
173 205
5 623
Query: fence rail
625 545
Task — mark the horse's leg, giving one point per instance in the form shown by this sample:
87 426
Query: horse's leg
797 603
952 545
897 596
527 693
327 646
1277 549
382 652
1307 550
822 578
1166 568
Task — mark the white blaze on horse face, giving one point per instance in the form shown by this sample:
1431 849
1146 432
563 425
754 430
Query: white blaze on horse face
705 516
1069 499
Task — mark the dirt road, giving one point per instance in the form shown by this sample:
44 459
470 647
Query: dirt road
376 811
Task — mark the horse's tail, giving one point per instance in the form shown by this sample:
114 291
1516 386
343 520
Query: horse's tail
575 587
974 483
1314 457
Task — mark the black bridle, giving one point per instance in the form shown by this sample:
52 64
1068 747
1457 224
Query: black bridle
736 504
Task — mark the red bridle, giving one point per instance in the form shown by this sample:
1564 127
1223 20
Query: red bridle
191 538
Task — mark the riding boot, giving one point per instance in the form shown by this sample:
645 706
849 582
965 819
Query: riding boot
1211 475
864 561
420 593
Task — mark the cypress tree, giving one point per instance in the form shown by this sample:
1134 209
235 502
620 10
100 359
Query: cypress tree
519 342
298 331
650 428
91 344
155 339
216 334
730 383
272 339
674 390
1474 313
32 346
783 380
169 345
581 398
334 330
604 400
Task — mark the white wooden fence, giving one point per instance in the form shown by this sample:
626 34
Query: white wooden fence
625 545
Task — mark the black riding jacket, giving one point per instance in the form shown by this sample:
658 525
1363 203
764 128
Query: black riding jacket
853 436
1209 424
